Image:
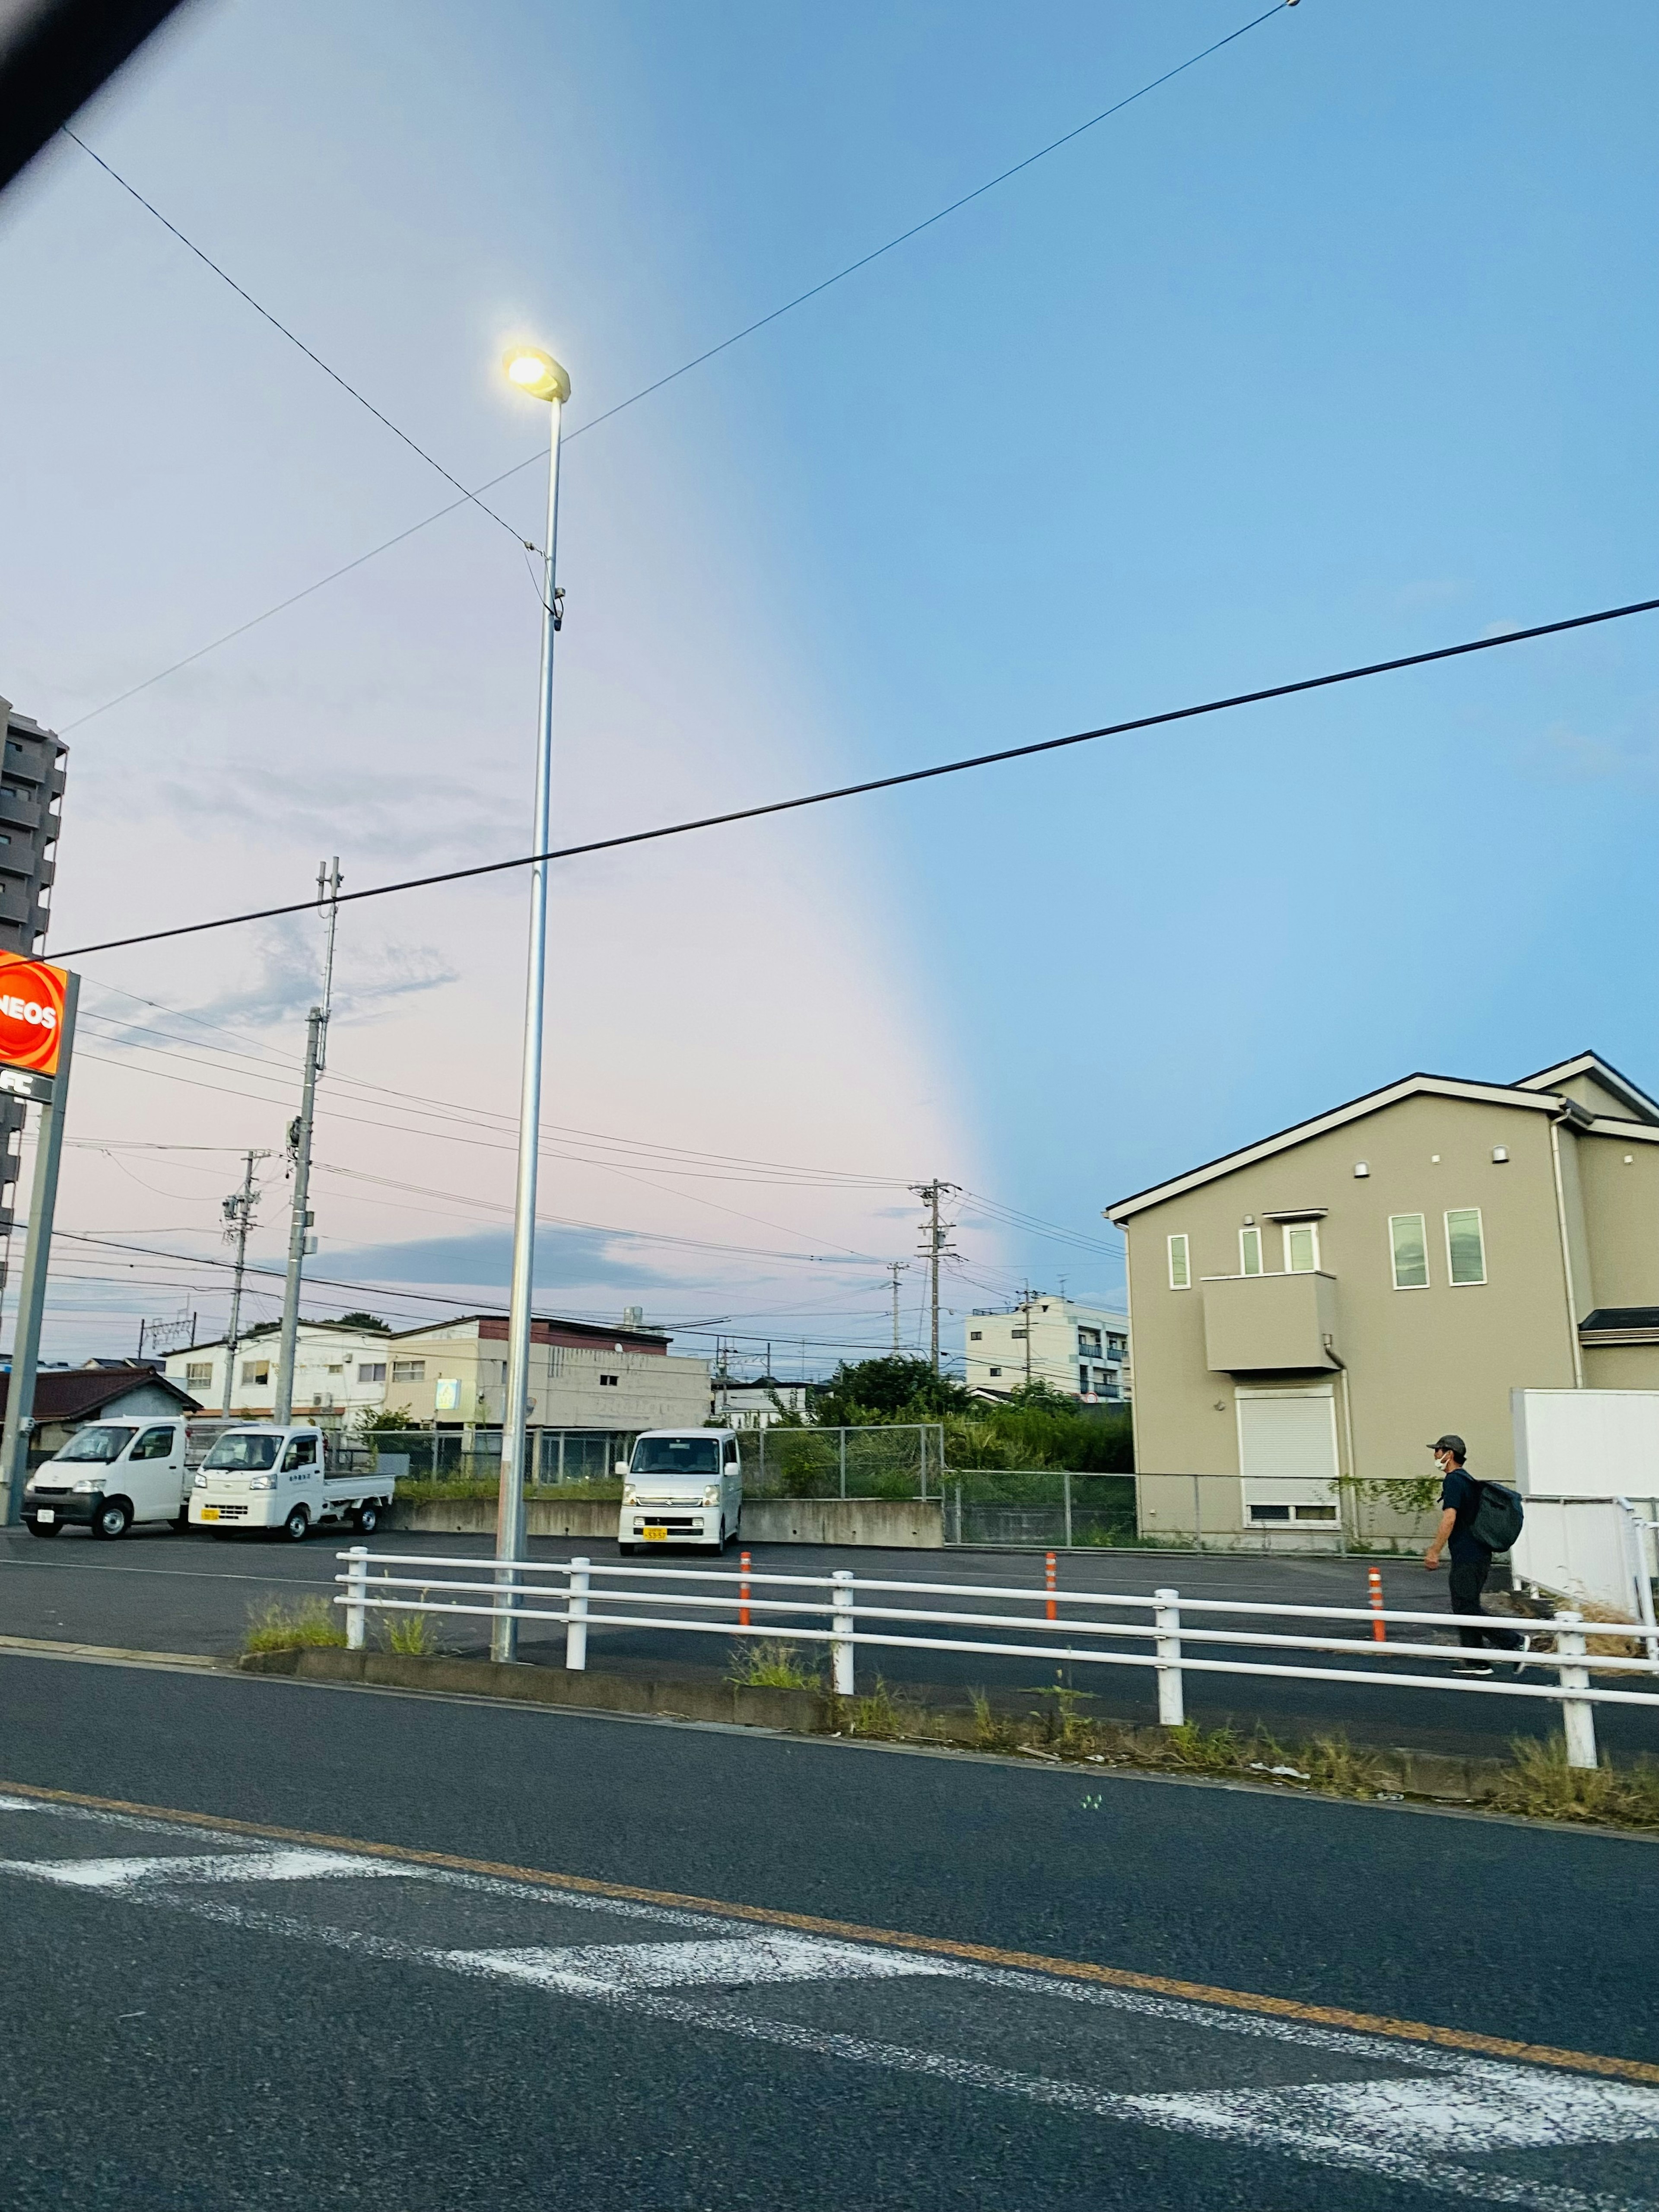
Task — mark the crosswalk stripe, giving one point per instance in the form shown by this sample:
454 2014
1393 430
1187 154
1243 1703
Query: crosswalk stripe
207 1866
584 1967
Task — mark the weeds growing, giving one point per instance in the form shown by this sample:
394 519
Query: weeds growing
306 1624
770 1666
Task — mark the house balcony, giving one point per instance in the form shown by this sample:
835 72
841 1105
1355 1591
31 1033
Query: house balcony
1270 1324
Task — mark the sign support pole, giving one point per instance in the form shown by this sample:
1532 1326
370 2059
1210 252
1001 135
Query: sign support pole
31 1289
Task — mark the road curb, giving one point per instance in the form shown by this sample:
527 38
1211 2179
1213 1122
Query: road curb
1433 1775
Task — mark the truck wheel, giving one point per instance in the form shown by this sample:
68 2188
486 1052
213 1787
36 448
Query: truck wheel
45 1528
368 1518
297 1526
113 1519
627 1550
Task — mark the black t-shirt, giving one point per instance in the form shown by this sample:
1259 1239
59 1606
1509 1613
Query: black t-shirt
1461 1492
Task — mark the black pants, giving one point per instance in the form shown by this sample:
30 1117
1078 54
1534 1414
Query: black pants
1468 1579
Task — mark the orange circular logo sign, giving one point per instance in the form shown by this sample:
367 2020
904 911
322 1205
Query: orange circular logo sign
31 1015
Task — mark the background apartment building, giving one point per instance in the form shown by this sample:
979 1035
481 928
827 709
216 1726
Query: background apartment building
591 1384
1081 1351
1310 1311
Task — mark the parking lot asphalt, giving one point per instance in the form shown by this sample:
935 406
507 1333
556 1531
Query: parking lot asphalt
161 1590
225 2020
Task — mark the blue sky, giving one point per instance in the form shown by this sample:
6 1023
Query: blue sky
1337 347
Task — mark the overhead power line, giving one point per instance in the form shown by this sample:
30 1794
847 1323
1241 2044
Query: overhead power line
311 355
708 353
884 782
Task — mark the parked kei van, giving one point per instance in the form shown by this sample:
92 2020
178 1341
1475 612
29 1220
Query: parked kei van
108 1475
681 1486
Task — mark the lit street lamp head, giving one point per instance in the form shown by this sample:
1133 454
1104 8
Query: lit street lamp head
537 374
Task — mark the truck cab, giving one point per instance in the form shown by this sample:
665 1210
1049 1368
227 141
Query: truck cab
681 1486
109 1475
262 1474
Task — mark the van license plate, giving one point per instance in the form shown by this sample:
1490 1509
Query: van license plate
655 1536
46 1513
209 1513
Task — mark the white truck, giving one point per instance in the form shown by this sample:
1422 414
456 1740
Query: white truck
261 1474
110 1474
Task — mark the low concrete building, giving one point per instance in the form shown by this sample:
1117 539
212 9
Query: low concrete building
67 1398
1080 1351
583 1376
1311 1310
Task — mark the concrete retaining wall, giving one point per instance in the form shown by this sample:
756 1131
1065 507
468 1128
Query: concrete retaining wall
901 1524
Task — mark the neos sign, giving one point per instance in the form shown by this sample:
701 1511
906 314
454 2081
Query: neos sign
31 1016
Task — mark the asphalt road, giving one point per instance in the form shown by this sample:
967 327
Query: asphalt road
159 1591
213 2020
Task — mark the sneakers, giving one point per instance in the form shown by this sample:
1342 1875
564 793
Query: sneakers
1518 1657
1473 1667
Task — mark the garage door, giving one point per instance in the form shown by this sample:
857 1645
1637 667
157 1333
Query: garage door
1287 1456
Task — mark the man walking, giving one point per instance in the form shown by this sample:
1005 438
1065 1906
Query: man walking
1470 1560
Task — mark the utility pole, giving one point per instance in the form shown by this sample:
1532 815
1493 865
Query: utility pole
935 1249
300 1241
32 1287
1025 1311
895 1268
238 1210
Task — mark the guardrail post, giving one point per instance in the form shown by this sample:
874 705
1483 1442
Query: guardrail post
356 1592
1171 1704
575 1628
841 1626
1577 1714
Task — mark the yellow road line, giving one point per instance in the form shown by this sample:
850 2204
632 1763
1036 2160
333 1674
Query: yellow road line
987 1954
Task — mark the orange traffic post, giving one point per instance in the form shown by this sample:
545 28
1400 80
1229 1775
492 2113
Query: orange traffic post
1051 1583
1379 1627
743 1590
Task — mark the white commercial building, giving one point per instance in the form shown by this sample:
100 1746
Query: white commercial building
585 1379
1080 1351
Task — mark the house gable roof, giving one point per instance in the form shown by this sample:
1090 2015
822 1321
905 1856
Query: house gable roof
1373 1101
78 1394
1602 1076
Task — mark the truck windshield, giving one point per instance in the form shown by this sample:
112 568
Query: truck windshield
677 1455
105 1443
244 1451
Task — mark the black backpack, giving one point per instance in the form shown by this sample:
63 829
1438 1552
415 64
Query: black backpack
1499 1517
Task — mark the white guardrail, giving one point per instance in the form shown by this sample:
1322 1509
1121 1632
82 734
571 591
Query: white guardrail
849 1611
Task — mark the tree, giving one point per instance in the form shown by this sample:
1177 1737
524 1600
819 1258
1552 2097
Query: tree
386 1420
365 1321
894 1387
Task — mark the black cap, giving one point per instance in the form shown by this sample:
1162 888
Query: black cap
1451 1444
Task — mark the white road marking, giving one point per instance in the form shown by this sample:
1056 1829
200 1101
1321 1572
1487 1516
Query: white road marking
585 1968
1500 2108
205 1866
1398 2127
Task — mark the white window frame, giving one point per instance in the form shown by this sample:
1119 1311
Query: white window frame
1422 1220
1290 1229
1468 1282
1185 1281
1246 1236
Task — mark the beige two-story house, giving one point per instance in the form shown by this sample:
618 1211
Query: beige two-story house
1310 1311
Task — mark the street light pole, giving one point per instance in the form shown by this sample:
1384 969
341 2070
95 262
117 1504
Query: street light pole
541 376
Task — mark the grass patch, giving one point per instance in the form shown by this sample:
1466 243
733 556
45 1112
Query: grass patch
770 1666
307 1624
1542 1786
412 1635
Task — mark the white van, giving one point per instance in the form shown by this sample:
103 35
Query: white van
681 1486
263 1475
108 1475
